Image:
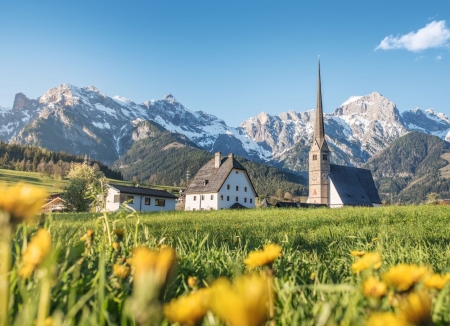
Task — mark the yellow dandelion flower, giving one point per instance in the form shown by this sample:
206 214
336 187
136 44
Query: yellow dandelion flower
312 276
372 287
263 257
355 253
25 271
192 281
21 201
119 232
116 246
416 309
89 235
437 281
242 303
404 276
369 260
384 319
156 262
38 249
190 309
49 321
121 271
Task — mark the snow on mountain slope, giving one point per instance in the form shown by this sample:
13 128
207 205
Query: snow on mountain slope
428 121
360 127
86 121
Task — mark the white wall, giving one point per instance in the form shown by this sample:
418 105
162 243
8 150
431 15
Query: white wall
241 180
234 179
335 199
201 201
139 202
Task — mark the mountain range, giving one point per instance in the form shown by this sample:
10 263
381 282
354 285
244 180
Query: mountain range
86 121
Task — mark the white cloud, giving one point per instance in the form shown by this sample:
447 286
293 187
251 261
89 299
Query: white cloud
439 57
420 57
434 35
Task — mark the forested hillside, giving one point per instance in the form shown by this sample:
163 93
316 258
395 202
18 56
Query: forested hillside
37 159
167 157
408 169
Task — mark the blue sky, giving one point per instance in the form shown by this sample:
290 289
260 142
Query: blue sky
232 59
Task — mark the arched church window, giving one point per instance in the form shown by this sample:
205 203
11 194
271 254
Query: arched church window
315 157
324 157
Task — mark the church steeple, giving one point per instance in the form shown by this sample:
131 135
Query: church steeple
319 133
319 157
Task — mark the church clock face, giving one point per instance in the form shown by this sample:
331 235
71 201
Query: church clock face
324 175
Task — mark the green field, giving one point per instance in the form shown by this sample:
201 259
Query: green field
313 281
32 178
54 185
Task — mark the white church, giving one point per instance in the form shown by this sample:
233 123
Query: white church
331 184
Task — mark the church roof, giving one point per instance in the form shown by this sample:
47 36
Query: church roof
210 179
355 186
319 131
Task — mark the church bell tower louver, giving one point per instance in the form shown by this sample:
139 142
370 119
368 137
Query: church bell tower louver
319 158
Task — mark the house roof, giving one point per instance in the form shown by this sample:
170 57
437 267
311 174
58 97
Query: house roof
265 203
237 206
286 204
144 191
210 179
355 186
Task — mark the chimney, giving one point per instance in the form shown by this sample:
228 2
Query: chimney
217 161
230 155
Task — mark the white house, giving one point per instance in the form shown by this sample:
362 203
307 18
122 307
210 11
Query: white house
140 199
220 183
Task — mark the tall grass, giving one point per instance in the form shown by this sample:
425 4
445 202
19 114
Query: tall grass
314 283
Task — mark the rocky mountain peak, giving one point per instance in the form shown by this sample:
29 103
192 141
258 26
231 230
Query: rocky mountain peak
262 118
92 89
22 102
63 94
373 106
169 98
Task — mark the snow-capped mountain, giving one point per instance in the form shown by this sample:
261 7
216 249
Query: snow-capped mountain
428 121
85 121
13 120
356 130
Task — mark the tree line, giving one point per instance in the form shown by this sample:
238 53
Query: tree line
36 159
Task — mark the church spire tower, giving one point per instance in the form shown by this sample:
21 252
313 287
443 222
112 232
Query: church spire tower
319 157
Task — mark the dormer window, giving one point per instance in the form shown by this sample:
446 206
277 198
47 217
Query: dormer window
205 182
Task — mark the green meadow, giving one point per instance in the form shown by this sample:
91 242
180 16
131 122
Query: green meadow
33 178
313 281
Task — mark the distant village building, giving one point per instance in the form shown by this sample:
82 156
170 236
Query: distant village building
331 184
54 204
140 199
221 183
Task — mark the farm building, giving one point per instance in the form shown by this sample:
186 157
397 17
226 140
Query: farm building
54 204
221 183
331 184
140 199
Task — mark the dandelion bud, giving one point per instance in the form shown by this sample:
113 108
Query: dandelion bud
192 281
121 271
